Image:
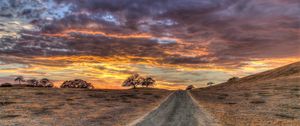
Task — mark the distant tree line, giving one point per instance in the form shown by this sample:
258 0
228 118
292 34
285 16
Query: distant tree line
134 81
45 82
77 83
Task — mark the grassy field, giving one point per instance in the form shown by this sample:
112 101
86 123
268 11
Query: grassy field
75 107
260 103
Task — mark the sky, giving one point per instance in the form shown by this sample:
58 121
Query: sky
177 42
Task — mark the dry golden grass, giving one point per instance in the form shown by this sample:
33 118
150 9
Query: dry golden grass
266 99
273 102
75 107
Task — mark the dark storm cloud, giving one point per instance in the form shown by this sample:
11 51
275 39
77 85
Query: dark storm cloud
6 15
99 46
185 60
233 30
81 45
19 8
131 12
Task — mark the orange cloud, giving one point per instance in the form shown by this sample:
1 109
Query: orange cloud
67 34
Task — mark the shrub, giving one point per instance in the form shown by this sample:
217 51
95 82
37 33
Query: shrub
190 87
210 83
233 79
6 85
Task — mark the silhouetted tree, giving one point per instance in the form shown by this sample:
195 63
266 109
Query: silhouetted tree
148 81
20 79
210 83
77 83
45 82
132 81
33 82
190 87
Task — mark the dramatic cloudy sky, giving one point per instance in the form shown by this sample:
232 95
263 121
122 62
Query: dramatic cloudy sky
178 42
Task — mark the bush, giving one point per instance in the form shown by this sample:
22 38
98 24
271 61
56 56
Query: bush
6 85
210 83
77 83
233 79
190 87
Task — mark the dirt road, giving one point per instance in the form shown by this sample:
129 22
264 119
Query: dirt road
180 109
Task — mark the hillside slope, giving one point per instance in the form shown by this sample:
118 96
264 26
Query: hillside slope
270 98
288 70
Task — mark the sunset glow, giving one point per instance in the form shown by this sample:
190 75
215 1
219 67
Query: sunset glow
176 42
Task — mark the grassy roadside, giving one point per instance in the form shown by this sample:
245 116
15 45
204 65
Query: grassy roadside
46 106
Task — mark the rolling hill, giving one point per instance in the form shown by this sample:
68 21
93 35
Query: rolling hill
285 71
270 98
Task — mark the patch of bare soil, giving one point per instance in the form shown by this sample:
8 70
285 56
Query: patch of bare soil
264 103
75 107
